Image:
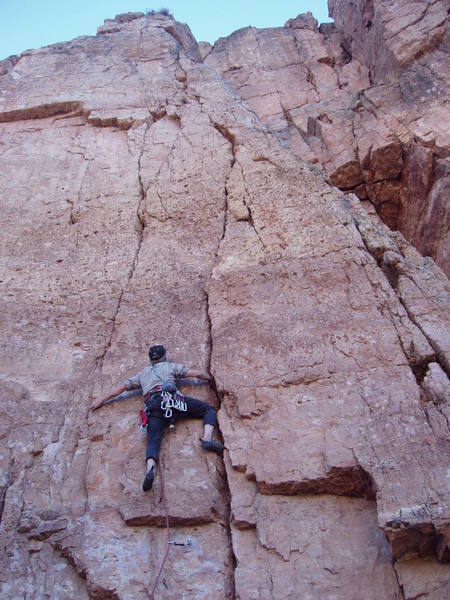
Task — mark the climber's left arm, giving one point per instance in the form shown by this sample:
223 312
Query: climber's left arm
198 374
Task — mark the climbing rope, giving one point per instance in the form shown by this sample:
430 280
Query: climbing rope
163 495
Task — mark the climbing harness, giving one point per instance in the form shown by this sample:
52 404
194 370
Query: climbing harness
170 401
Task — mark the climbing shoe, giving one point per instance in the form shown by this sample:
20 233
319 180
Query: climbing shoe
148 481
213 447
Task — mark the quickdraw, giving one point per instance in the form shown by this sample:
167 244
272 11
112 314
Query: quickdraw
189 543
170 401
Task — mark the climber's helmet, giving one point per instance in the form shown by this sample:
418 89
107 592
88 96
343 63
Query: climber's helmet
155 353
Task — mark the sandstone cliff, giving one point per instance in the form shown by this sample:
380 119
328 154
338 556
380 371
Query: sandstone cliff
367 98
156 190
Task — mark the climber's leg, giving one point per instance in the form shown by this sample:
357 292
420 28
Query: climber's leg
207 432
198 409
155 431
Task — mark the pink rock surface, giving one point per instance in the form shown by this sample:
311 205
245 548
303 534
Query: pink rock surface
388 36
365 98
169 211
330 541
423 579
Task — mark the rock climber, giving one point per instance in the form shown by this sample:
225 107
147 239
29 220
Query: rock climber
164 404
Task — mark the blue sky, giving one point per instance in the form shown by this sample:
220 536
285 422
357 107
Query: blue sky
28 24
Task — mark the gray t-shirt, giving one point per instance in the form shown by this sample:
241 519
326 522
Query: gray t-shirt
151 378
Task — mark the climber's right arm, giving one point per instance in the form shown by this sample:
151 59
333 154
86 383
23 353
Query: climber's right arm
112 394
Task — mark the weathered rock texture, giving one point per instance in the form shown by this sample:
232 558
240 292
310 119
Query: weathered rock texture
144 199
367 98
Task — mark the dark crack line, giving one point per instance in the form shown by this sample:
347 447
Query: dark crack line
227 135
226 482
185 77
142 195
290 121
225 212
413 367
231 140
369 436
437 358
3 497
438 408
385 310
80 190
225 476
400 587
250 220
156 181
225 221
140 226
71 217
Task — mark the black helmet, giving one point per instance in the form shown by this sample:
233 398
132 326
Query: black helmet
156 353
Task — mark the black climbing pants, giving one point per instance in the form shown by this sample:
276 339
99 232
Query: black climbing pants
196 409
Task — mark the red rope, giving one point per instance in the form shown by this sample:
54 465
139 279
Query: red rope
168 531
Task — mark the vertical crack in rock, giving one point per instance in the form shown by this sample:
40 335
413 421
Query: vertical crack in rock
291 123
225 221
140 226
71 217
250 220
439 356
400 587
392 258
154 94
151 98
228 135
392 273
417 366
230 138
225 212
142 194
227 487
57 546
3 496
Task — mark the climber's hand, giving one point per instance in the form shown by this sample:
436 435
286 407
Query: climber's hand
111 394
198 374
96 404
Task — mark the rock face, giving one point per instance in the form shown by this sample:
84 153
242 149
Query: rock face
366 98
153 190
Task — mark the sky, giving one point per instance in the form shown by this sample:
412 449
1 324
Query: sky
26 24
